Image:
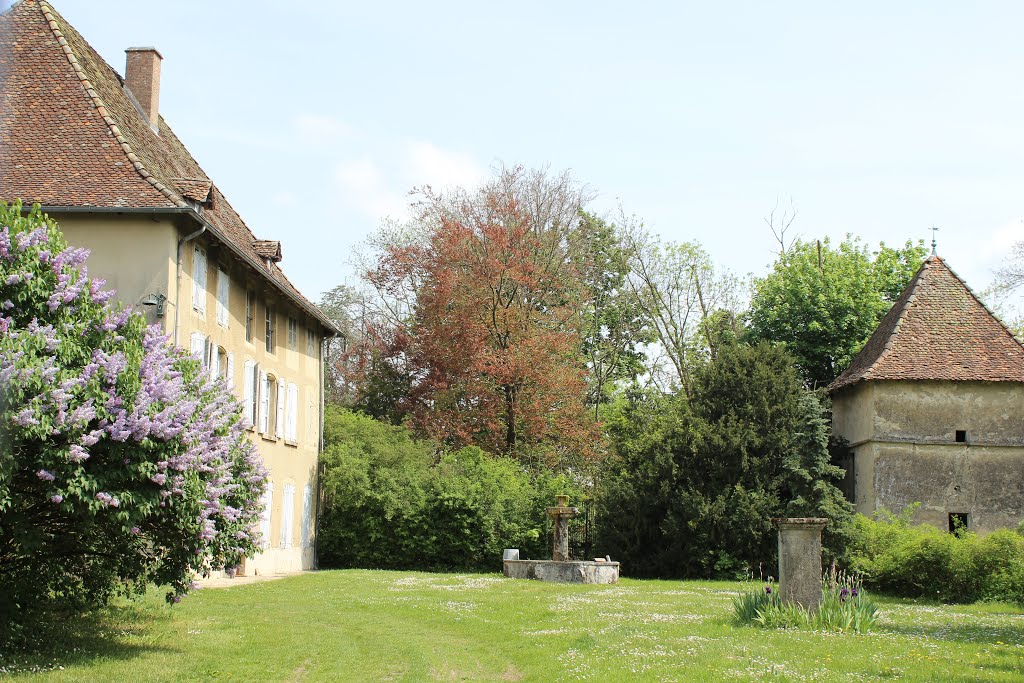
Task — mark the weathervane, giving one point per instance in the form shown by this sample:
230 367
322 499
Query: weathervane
934 243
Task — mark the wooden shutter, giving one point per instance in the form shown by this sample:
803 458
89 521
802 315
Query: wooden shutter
197 345
307 514
199 280
268 505
264 388
287 516
223 288
230 373
214 356
279 425
247 389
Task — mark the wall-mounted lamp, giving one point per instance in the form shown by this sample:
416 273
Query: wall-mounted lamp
157 300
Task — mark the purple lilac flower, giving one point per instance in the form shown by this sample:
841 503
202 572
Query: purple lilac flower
78 454
136 530
45 476
56 498
26 418
104 498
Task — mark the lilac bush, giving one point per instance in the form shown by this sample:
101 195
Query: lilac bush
121 462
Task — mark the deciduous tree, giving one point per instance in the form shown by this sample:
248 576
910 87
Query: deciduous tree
823 302
493 342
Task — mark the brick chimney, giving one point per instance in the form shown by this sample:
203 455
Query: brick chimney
142 78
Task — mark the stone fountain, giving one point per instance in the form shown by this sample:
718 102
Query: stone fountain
560 569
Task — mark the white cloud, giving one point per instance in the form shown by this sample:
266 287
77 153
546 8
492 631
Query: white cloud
440 168
378 184
364 187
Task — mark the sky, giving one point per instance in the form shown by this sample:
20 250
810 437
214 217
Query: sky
317 118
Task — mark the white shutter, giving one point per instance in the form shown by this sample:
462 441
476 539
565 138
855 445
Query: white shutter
279 425
264 402
211 353
199 280
231 370
307 514
287 507
197 345
253 415
268 503
247 389
223 287
291 425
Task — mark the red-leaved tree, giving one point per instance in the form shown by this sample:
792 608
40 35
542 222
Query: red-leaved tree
491 346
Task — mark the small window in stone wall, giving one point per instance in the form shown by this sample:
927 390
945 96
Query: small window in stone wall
961 436
959 521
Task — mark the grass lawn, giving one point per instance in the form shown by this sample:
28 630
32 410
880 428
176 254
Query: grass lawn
404 626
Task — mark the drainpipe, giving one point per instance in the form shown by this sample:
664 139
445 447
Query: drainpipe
177 276
319 458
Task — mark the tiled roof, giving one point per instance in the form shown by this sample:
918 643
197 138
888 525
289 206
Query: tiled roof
938 330
70 136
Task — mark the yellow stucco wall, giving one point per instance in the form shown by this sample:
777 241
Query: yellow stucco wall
905 449
137 257
134 255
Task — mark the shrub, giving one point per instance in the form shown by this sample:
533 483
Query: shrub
393 502
845 607
922 561
121 463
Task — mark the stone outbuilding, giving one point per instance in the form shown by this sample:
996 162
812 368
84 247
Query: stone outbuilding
933 409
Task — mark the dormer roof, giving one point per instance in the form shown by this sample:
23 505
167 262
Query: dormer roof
938 329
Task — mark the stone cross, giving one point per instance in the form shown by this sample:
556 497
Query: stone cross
800 560
561 513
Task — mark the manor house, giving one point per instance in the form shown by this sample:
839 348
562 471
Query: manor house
91 147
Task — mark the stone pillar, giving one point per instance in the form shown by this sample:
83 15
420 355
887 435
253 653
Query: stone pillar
800 560
561 513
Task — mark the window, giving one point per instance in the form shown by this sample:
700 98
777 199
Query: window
250 313
225 366
293 333
307 515
291 413
311 343
268 502
959 521
223 289
199 280
287 508
270 329
961 436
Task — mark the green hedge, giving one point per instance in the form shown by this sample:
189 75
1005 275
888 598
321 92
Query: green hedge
392 502
922 561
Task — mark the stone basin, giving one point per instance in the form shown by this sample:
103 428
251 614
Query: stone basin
569 571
